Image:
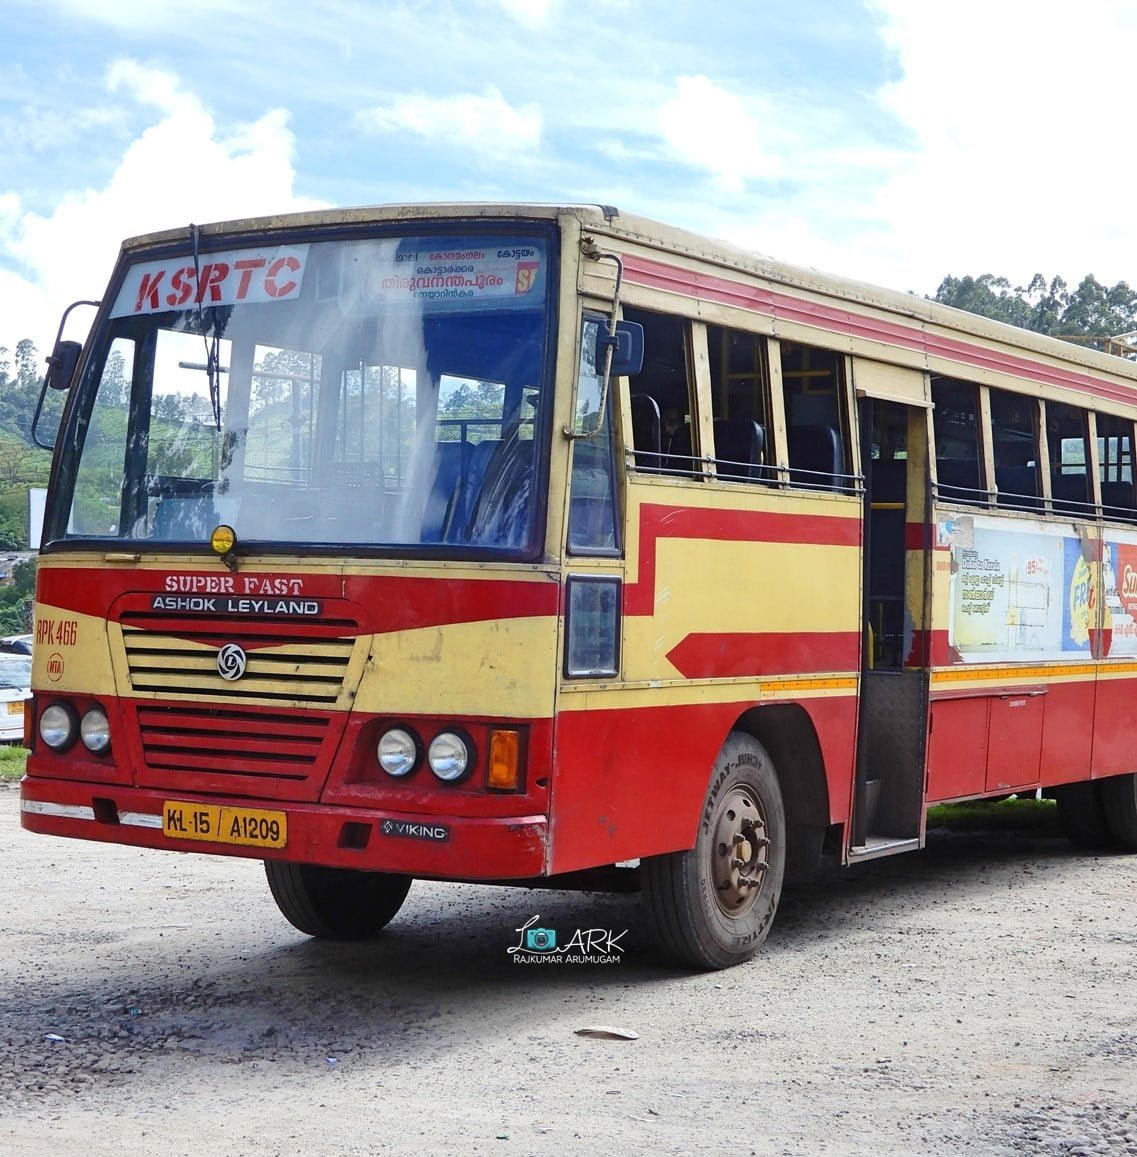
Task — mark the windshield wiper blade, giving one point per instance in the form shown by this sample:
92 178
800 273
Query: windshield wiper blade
212 337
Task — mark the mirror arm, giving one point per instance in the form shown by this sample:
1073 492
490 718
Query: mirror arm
590 251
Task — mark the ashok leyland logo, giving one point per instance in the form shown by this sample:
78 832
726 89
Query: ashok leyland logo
231 662
585 946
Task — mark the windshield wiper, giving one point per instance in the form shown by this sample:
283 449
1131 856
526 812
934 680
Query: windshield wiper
212 338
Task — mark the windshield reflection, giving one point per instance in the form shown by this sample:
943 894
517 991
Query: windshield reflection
389 392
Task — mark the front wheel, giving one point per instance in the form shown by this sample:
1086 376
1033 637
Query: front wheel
712 906
335 903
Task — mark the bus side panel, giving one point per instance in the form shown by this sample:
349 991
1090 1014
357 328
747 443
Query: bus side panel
1114 752
957 751
631 782
1006 740
1067 737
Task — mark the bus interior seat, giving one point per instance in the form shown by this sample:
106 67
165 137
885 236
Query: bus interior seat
1117 499
816 459
447 470
679 456
481 455
1070 491
499 486
645 431
460 468
1017 486
958 480
740 448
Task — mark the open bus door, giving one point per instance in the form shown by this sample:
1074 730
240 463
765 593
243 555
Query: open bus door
888 804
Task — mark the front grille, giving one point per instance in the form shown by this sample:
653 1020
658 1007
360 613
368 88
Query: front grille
247 745
289 661
271 733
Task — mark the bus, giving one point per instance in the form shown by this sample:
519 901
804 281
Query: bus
553 547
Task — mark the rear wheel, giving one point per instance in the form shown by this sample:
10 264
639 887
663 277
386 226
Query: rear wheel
335 903
1081 815
712 906
1119 802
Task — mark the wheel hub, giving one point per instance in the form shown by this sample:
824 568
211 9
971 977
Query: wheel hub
739 857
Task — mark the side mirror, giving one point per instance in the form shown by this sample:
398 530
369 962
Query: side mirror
627 345
61 365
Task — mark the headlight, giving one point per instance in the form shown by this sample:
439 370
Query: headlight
58 725
397 752
95 731
449 756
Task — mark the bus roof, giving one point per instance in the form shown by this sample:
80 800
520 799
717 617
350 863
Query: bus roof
606 220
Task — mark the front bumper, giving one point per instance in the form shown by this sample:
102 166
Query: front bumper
443 847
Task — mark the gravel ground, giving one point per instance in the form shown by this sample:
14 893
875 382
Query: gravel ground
977 997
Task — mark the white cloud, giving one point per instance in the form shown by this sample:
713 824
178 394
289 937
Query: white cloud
153 87
132 15
484 123
530 13
182 168
1015 111
709 128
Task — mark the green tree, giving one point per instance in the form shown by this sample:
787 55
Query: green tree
1090 314
986 295
26 367
17 599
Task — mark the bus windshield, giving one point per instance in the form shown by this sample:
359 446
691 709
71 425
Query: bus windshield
388 392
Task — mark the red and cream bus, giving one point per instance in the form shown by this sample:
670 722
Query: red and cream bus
535 544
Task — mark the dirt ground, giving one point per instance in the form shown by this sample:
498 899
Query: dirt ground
978 997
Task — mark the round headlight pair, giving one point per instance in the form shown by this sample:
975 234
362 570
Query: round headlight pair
449 755
60 726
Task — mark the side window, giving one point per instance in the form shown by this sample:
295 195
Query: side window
375 421
191 435
740 405
1014 444
282 405
183 438
956 422
813 382
96 507
1115 463
1066 439
592 496
663 436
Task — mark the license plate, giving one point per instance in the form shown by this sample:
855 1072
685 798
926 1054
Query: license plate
248 826
16 707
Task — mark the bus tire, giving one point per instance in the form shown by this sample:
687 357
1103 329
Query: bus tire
335 903
1081 815
1119 802
712 906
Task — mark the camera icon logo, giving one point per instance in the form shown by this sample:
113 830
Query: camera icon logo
540 939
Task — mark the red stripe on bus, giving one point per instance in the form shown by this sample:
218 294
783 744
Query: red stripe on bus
726 655
406 604
918 536
759 299
685 522
388 603
931 649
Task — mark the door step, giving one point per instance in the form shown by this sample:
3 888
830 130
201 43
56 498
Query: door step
876 846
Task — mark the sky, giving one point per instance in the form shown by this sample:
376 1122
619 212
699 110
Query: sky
893 141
